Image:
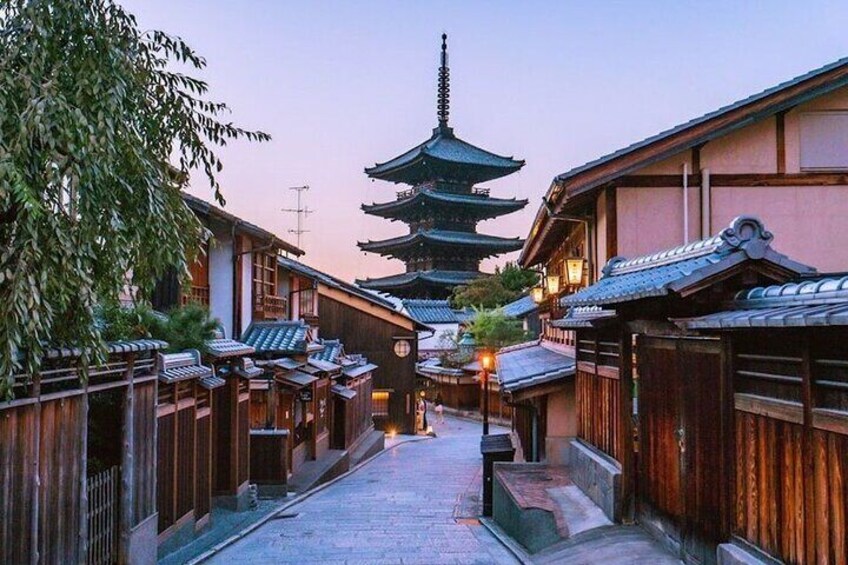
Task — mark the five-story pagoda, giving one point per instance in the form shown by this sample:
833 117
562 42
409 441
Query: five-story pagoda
442 208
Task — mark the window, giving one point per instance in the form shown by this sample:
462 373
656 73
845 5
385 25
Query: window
306 299
824 141
266 304
380 403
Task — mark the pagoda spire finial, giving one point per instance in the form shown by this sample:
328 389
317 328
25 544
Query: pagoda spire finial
444 85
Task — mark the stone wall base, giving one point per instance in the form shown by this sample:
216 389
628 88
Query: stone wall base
735 554
598 475
557 448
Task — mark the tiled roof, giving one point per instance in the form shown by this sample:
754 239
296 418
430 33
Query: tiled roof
200 206
358 370
343 391
223 348
185 365
430 311
443 146
531 364
211 382
521 307
286 337
333 282
298 378
813 302
484 207
584 317
113 348
490 243
706 117
435 277
333 349
324 366
675 269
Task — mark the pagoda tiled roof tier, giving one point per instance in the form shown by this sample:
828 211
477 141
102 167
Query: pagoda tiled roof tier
444 156
471 243
428 202
436 283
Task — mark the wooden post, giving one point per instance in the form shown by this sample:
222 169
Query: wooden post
83 479
36 490
628 469
127 463
807 450
728 437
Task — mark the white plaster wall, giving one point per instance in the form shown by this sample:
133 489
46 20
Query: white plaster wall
221 280
246 285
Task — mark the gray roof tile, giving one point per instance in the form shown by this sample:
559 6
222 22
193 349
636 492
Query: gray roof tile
531 364
288 337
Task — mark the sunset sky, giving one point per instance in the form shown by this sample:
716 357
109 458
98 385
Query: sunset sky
343 85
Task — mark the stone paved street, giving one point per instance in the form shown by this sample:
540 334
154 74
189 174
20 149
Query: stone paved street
400 508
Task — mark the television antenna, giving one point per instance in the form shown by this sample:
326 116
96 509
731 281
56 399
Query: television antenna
301 211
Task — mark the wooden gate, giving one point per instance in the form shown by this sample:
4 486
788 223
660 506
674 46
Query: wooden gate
103 516
681 477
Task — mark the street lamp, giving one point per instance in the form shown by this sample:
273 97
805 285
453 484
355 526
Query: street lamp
487 363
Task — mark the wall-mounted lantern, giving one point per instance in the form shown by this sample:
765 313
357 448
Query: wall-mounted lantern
538 294
574 270
553 284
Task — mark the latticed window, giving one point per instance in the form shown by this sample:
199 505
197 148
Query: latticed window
266 303
380 403
198 288
307 302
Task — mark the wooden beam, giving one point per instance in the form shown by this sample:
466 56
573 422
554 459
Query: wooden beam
807 449
83 480
781 142
748 179
628 468
36 439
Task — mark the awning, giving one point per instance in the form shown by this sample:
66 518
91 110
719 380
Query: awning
359 370
212 382
531 364
225 348
343 392
296 379
325 366
286 363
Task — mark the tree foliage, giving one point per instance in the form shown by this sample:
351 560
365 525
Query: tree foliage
492 329
496 290
185 327
97 138
516 279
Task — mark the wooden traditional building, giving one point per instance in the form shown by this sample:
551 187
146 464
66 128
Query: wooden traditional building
78 483
369 325
780 153
682 475
537 381
235 274
442 208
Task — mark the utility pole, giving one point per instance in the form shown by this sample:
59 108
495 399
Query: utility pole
302 212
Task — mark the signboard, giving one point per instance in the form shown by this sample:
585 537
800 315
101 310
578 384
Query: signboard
305 395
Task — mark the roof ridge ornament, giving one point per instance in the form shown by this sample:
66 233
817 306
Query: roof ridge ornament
749 234
443 98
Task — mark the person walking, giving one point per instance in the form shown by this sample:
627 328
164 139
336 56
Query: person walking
440 408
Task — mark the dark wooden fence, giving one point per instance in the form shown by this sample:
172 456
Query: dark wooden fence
791 444
103 504
599 394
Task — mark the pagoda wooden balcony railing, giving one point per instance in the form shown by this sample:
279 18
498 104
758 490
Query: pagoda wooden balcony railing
406 193
196 294
269 306
479 191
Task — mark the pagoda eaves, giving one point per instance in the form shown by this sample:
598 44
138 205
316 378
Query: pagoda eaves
418 204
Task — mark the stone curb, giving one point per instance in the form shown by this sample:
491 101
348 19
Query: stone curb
510 544
297 500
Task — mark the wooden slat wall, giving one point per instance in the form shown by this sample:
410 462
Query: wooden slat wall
185 461
243 463
144 459
598 412
59 472
791 445
203 467
165 471
17 454
224 399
